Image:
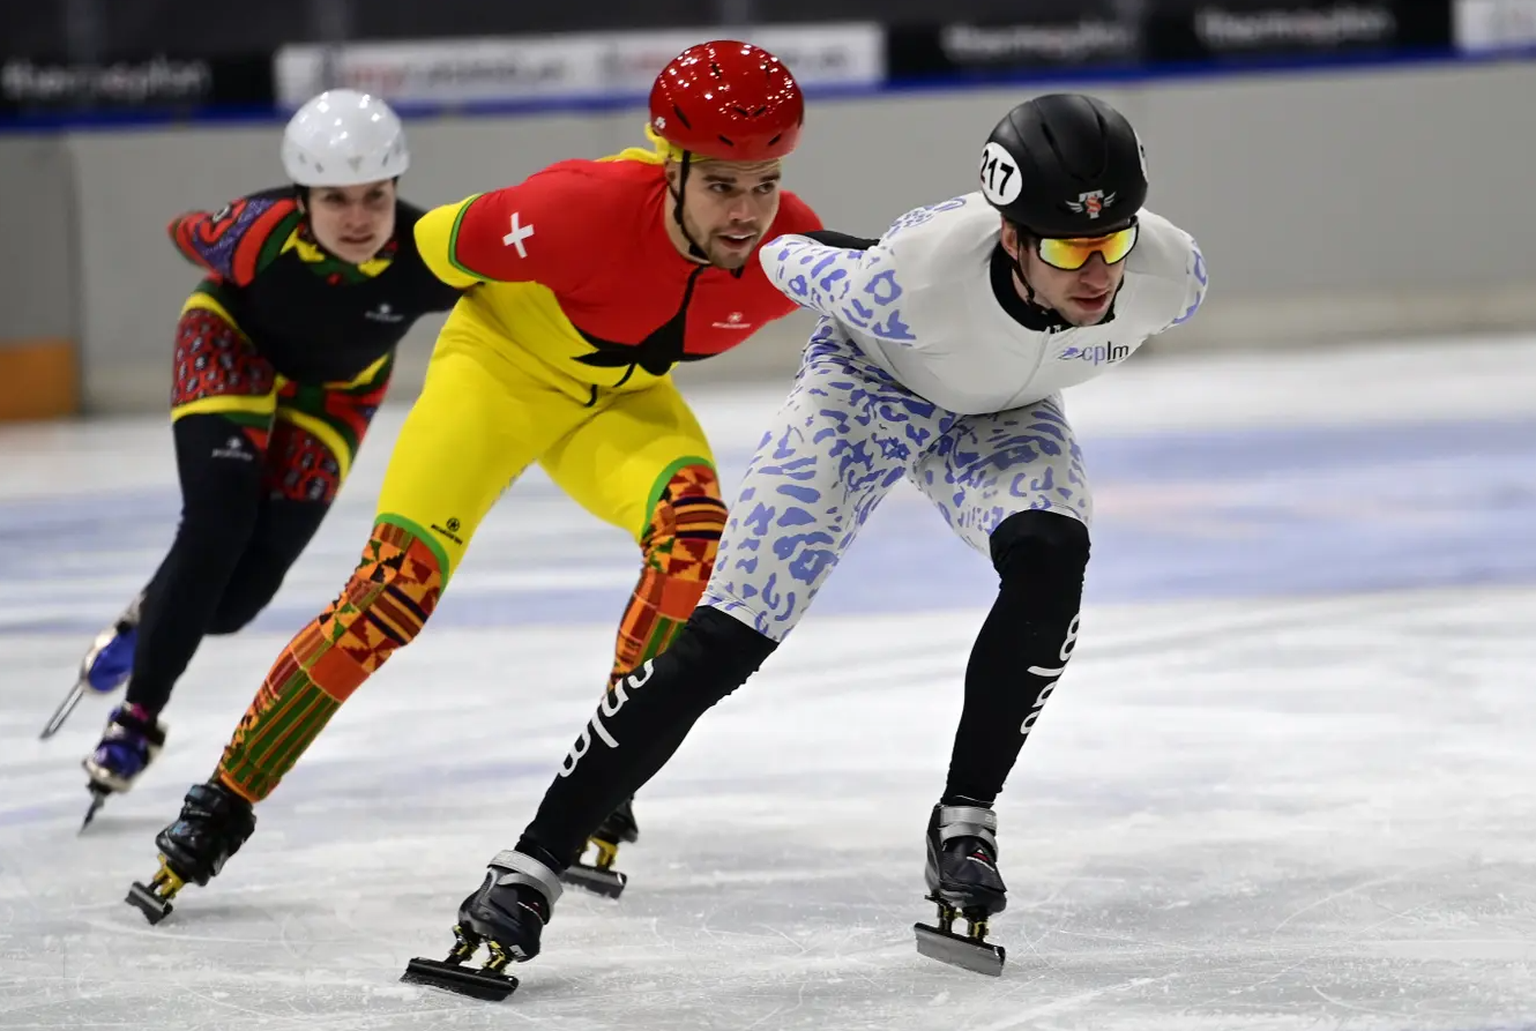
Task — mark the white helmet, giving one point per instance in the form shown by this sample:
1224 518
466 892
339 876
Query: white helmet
344 138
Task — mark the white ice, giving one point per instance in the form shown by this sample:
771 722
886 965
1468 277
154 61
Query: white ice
1258 802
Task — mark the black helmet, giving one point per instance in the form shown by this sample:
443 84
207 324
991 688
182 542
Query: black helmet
1064 165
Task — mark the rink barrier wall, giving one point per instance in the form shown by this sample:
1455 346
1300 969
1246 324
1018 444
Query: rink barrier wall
1331 203
41 294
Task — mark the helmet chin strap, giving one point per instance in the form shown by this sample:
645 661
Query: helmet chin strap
1029 290
694 250
1018 268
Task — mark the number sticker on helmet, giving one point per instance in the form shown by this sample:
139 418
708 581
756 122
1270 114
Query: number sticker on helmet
1000 179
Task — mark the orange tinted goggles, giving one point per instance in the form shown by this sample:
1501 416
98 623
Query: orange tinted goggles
1072 253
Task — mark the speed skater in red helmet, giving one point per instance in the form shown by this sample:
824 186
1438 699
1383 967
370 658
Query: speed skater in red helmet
735 109
584 285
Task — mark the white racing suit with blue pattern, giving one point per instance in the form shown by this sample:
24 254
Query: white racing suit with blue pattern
916 370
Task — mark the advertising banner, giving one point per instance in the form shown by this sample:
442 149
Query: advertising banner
1076 37
574 66
1493 26
1256 30
161 82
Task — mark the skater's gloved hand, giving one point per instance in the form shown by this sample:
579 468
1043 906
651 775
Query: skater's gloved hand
833 238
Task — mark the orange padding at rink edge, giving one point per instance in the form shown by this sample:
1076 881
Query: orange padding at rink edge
39 379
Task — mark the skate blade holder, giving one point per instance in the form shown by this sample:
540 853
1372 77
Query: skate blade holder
600 877
970 951
487 982
154 900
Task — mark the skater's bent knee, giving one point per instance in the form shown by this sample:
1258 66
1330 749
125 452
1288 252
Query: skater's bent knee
215 532
711 656
688 518
729 640
391 595
393 612
1040 545
228 620
242 602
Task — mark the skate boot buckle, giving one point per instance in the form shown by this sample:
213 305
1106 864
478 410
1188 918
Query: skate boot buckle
489 982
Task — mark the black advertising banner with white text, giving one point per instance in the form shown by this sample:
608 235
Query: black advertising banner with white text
150 84
1050 36
1237 31
1101 35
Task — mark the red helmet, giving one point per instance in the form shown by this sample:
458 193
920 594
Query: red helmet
728 100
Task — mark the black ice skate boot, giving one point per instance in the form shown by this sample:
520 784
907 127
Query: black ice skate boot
963 880
506 914
213 824
600 876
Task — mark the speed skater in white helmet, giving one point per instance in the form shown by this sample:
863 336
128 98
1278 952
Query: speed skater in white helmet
283 353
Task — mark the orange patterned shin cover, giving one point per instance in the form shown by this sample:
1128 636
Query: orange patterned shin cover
679 549
389 598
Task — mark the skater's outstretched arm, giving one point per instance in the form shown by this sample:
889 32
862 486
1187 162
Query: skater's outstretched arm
240 239
850 279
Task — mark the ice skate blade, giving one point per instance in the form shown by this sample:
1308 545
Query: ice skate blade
99 794
607 883
67 706
957 950
154 908
477 983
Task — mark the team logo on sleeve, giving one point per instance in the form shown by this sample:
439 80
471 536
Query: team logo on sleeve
222 221
518 234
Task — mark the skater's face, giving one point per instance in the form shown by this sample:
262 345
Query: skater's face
1082 295
353 222
727 207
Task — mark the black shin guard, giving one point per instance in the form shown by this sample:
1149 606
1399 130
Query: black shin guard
638 725
1022 649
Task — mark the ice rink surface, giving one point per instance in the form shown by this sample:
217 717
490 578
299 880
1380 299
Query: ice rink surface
1288 783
